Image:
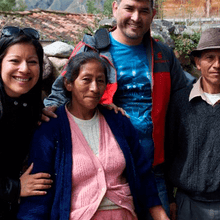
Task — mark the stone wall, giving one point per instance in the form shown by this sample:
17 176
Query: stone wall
190 9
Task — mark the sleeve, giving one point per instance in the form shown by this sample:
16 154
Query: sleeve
170 145
179 77
42 155
147 193
57 96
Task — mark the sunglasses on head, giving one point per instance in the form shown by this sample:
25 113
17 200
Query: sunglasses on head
9 31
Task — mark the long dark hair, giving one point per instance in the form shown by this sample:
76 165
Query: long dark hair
34 96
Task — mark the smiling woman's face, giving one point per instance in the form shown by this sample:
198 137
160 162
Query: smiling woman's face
87 89
20 69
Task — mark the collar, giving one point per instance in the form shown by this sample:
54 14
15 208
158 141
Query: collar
197 91
146 37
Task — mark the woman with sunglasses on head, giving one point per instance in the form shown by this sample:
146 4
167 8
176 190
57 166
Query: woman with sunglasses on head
99 169
21 68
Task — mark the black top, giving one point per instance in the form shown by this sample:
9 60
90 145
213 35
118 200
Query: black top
192 146
18 119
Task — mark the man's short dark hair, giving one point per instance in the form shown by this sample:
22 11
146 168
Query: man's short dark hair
151 2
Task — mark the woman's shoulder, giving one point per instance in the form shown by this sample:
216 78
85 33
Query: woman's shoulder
116 120
111 113
54 123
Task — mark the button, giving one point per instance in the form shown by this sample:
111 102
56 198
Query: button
120 202
100 169
103 189
25 104
15 103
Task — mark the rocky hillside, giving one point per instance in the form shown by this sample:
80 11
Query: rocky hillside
73 6
172 8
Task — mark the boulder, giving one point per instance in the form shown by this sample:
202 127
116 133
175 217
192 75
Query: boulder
58 49
47 68
58 64
179 29
163 29
109 22
48 76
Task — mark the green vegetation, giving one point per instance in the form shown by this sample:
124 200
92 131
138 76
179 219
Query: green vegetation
184 44
12 5
21 6
159 7
108 8
158 37
91 7
7 5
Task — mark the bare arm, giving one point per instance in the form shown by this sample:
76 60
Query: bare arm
158 213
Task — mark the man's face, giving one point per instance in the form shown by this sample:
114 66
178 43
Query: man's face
134 18
209 65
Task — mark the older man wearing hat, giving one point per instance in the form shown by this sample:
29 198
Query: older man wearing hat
192 145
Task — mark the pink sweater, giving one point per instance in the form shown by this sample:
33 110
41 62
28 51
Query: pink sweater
94 178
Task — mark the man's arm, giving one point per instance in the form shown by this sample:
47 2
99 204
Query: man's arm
179 77
170 147
57 96
158 213
54 100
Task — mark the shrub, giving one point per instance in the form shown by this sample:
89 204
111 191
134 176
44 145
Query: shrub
158 37
184 44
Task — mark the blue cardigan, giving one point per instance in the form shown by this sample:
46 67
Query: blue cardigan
51 152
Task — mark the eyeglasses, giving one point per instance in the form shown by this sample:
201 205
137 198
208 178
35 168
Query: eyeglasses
9 31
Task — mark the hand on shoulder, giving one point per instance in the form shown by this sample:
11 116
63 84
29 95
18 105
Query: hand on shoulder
116 109
47 113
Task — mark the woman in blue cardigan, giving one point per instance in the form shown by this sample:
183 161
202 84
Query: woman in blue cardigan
118 182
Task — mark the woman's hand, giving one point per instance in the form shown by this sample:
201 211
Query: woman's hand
116 109
34 184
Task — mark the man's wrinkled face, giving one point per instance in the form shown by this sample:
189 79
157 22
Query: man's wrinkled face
209 65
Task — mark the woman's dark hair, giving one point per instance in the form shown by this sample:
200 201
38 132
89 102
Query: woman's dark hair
75 63
35 94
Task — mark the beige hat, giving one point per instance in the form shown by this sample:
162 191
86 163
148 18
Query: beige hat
210 39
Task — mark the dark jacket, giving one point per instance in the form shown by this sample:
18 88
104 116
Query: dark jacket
16 129
18 119
52 152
